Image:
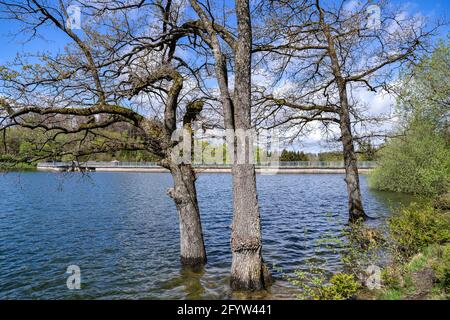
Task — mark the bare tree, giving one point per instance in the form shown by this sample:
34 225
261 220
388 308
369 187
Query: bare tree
248 271
103 79
328 52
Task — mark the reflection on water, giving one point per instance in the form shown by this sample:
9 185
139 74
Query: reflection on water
393 200
122 230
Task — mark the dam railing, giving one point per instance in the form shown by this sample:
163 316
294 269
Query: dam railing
143 164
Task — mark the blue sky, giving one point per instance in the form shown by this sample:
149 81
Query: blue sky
430 6
54 38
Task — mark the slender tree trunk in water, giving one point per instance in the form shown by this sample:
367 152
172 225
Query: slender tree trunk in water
247 268
355 206
184 194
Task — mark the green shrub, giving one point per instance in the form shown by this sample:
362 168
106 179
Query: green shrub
442 202
417 226
391 277
418 163
342 287
314 285
363 247
418 160
408 279
441 268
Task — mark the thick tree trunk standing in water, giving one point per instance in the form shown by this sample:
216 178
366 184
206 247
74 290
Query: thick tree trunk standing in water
184 194
247 269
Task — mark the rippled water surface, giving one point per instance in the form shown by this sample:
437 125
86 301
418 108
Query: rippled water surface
122 231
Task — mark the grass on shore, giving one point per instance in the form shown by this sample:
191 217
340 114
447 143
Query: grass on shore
420 251
426 276
417 246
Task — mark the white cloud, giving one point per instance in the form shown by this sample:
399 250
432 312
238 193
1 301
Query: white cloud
377 102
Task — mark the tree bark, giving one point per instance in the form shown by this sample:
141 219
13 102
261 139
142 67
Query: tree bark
355 207
184 194
247 269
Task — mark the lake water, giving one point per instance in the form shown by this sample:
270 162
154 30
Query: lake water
122 231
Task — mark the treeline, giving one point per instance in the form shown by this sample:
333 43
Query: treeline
365 153
25 147
22 144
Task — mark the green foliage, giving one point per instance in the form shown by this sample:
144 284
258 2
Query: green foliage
313 284
308 282
366 151
9 162
209 153
363 247
425 275
288 155
419 267
8 74
392 294
425 93
26 145
418 163
417 263
342 287
416 248
392 278
441 267
417 226
442 202
330 156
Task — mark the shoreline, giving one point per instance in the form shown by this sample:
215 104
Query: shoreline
263 171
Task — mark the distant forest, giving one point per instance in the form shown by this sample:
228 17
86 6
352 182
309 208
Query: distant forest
21 144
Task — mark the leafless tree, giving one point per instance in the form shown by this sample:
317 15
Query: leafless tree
113 71
234 44
326 52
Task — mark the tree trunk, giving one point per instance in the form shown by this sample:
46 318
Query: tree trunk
355 207
247 268
184 194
